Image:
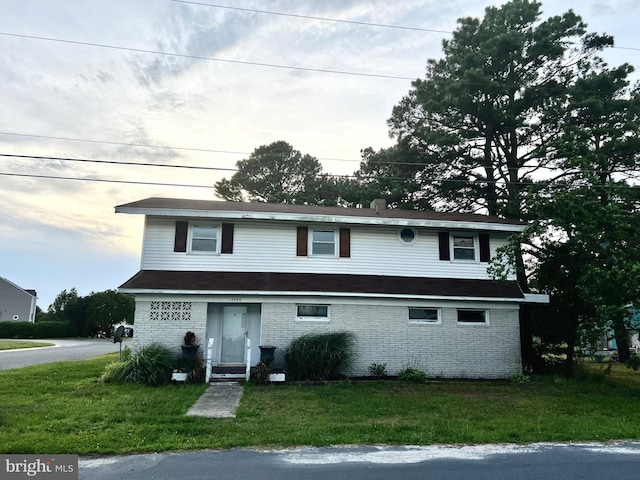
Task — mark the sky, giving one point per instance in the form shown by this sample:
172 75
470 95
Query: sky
87 79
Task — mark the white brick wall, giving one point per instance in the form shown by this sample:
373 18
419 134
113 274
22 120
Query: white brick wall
169 332
383 335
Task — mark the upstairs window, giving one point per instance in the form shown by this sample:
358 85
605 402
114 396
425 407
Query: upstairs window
464 247
323 242
200 237
204 238
469 247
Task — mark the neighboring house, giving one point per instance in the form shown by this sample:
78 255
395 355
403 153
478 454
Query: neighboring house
413 286
16 303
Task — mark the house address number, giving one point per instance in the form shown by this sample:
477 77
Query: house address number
236 299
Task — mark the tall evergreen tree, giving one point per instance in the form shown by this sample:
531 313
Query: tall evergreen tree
484 114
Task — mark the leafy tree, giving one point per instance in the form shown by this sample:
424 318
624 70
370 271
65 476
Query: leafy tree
590 212
277 173
393 174
62 302
108 308
93 313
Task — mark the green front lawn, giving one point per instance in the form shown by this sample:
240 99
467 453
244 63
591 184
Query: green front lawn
62 408
15 344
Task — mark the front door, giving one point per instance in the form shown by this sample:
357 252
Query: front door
234 331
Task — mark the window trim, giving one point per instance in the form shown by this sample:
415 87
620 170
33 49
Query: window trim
336 244
484 310
309 318
476 246
417 321
405 243
190 238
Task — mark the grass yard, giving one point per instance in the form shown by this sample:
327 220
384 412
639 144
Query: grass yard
62 408
15 344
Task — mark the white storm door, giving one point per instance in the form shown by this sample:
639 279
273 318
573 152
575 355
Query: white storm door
234 329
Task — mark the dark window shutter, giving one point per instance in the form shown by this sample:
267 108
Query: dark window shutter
302 241
227 238
345 243
485 252
443 242
180 242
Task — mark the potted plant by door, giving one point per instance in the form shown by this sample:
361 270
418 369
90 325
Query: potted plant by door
190 349
188 369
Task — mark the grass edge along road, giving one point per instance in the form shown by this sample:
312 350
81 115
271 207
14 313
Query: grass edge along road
63 408
17 344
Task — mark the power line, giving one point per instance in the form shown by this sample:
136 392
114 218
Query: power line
309 17
337 20
227 169
143 145
89 179
106 142
117 162
211 59
103 180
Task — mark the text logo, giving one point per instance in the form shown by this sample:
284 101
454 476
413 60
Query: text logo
49 467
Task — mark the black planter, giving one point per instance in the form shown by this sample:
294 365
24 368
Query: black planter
266 354
190 351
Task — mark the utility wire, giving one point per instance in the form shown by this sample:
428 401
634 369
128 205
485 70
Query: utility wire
365 179
226 169
103 180
199 57
309 17
117 162
143 145
337 20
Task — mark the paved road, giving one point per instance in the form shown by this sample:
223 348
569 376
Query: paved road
508 462
68 349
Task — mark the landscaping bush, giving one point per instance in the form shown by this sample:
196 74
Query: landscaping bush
17 330
151 365
48 329
378 369
52 329
319 356
412 375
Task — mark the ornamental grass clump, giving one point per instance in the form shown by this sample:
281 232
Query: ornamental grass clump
319 356
151 365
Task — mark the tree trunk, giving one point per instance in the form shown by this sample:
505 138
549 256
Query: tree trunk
572 340
622 340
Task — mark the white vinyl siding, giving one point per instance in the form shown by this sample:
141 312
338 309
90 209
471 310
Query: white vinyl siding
271 247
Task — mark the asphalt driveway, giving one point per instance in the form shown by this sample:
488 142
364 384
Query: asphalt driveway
63 350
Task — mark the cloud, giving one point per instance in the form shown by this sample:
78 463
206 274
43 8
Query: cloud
191 31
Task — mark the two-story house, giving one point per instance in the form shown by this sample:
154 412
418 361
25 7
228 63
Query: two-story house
413 286
16 303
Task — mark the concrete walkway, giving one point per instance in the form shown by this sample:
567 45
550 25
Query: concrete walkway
219 401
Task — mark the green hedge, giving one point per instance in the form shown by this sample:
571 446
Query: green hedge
319 356
34 330
53 329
